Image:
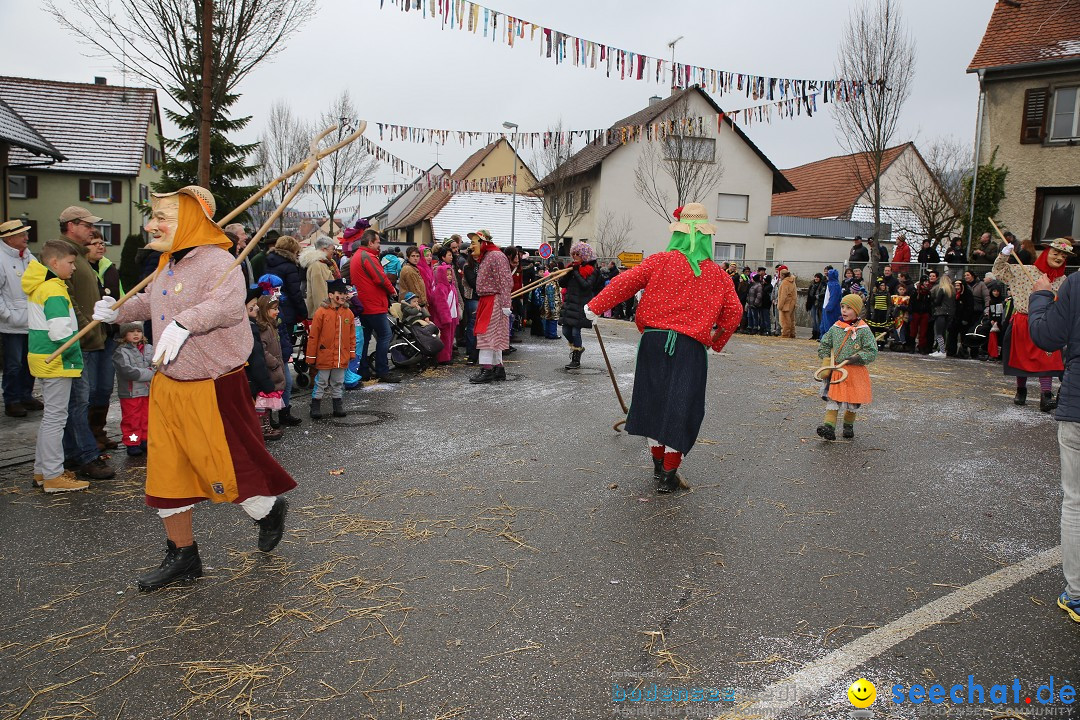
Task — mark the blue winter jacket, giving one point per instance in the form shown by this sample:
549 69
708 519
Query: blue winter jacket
1056 325
830 312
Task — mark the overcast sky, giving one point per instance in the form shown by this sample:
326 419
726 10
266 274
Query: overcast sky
400 68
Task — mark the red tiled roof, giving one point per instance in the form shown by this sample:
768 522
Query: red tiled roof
98 128
828 188
1029 31
596 152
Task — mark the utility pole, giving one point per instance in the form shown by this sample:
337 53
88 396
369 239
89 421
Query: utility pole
206 111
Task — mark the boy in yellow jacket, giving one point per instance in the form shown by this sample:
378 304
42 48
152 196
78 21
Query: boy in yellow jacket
51 322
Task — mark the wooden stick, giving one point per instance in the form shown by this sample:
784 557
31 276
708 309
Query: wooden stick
1002 236
94 323
293 170
614 382
538 283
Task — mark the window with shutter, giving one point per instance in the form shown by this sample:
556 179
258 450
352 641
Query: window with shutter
31 186
1033 126
117 193
33 230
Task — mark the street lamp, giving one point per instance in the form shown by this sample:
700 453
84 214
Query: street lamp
513 202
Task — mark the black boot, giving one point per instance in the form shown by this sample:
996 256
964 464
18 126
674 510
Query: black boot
339 408
500 372
1021 396
272 526
1054 402
657 470
181 565
1046 401
286 418
849 431
485 375
575 359
316 409
826 431
669 481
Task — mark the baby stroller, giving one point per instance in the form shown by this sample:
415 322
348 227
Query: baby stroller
299 355
976 340
412 346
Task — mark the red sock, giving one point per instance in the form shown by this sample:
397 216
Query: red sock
672 460
657 452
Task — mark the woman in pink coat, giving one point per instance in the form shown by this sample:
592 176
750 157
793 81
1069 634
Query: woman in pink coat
445 299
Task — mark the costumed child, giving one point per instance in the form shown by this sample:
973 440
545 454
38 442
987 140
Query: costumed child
203 438
830 306
899 305
1022 358
134 371
995 314
267 309
411 312
494 282
331 345
258 377
51 322
688 305
849 342
550 301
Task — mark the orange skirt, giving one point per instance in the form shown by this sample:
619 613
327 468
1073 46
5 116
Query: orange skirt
855 389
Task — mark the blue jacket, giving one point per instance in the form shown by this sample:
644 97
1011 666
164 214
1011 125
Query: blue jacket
830 311
1056 325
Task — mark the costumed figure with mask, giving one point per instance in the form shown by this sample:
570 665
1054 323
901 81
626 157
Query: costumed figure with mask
1021 357
688 305
205 441
493 285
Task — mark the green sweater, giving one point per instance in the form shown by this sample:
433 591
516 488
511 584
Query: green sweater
858 350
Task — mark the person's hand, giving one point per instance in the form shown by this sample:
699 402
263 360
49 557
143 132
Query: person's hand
103 311
1043 283
590 315
1006 251
507 312
170 342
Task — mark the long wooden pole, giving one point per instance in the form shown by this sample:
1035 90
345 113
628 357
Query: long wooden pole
542 281
311 163
1002 236
611 373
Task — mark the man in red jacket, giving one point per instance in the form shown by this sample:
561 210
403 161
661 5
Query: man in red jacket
373 290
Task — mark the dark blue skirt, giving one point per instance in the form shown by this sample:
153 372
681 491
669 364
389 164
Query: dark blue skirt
668 404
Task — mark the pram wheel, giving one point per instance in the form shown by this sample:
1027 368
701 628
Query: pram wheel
303 381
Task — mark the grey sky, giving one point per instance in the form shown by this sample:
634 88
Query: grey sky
402 69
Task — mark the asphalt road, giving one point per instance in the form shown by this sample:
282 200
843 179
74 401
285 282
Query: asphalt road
497 552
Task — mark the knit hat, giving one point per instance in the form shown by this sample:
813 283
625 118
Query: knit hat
253 293
855 302
337 286
125 328
409 296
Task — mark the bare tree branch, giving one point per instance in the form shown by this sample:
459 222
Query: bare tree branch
564 205
340 173
612 234
683 167
876 48
284 142
934 189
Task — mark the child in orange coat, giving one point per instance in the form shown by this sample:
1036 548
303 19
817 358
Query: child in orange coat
331 345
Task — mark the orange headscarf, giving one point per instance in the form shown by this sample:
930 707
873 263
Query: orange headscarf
193 229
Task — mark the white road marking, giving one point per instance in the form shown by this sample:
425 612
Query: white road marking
825 672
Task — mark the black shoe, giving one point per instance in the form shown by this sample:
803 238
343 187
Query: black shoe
849 431
182 565
669 481
500 372
510 350
1021 396
1046 401
15 410
486 375
390 378
474 358
96 469
575 360
657 470
135 450
316 409
286 418
339 408
828 432
1054 402
272 527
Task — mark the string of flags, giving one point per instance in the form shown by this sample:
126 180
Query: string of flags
563 48
430 181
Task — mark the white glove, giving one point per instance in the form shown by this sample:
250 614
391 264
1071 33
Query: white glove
1007 250
169 343
590 315
103 311
507 312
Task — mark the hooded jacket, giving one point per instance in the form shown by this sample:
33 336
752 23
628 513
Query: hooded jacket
319 273
285 265
84 289
12 297
133 370
332 338
51 321
1054 324
830 308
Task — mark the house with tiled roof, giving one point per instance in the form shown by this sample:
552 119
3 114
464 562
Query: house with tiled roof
109 147
1028 65
597 184
496 160
405 201
17 133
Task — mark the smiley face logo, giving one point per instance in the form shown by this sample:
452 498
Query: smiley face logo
862 693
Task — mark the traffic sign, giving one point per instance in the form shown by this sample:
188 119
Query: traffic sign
545 250
631 259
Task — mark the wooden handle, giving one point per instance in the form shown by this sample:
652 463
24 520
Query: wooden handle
542 281
1002 236
614 382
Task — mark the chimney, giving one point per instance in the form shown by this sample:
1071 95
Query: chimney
654 99
98 80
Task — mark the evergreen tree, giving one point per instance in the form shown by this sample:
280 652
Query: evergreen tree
228 166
